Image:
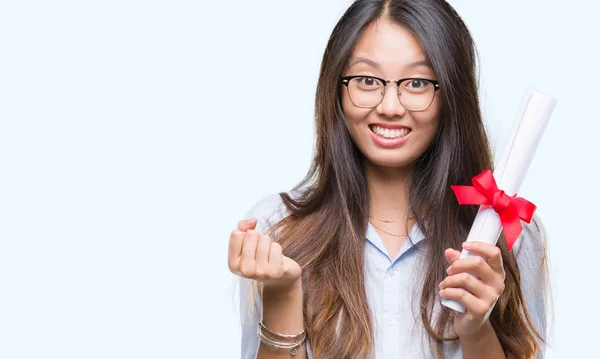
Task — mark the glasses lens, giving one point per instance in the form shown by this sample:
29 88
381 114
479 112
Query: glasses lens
415 94
365 91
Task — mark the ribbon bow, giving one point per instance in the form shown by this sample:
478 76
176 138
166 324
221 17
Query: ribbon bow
510 208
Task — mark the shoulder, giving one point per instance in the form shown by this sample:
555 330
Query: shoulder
270 209
531 254
530 249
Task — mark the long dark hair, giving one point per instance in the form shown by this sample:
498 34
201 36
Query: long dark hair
325 231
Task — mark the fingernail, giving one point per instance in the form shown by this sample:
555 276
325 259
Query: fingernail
467 245
441 293
449 270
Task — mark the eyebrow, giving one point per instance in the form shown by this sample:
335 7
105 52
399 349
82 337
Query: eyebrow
374 64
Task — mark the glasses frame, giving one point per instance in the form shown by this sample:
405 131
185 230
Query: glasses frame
345 80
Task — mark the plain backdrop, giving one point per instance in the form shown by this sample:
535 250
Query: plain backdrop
135 134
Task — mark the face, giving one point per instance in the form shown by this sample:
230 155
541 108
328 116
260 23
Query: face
389 134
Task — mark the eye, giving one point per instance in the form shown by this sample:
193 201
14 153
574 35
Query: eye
417 83
367 83
417 86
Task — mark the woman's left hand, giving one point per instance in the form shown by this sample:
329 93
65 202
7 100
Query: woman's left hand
478 294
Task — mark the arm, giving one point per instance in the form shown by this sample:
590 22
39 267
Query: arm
281 305
282 313
478 294
484 341
530 253
255 257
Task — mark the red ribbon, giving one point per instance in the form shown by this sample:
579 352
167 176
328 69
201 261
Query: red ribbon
511 209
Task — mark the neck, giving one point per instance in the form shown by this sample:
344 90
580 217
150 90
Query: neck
388 191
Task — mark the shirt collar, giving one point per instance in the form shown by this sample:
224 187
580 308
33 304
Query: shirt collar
414 237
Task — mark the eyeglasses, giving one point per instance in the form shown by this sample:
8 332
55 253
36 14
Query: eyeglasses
414 93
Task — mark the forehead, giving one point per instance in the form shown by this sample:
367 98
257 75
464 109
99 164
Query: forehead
387 44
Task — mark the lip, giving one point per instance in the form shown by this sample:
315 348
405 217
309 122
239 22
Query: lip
389 142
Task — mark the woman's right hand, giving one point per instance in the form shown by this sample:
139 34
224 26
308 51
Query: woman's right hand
257 256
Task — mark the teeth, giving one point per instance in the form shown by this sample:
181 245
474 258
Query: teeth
390 133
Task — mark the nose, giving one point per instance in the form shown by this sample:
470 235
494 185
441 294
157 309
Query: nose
390 106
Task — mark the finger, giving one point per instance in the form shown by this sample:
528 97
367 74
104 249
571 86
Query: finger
474 305
247 260
249 245
262 250
247 224
469 283
488 251
475 265
235 249
452 255
276 255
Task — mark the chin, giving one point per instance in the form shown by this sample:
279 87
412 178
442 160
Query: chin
391 161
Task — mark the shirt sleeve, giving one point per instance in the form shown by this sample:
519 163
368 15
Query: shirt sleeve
267 212
530 252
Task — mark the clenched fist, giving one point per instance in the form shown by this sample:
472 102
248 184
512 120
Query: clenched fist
256 256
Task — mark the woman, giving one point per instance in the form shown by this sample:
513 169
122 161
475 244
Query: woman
353 262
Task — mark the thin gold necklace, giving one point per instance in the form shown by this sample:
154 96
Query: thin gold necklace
392 220
391 234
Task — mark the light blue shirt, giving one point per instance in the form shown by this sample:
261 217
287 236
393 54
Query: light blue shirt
393 288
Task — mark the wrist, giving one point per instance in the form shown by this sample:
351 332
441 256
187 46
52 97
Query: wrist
481 336
283 290
283 308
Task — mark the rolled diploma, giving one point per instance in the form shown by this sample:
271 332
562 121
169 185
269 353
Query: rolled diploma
525 135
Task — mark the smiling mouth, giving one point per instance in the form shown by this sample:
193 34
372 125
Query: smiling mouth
389 133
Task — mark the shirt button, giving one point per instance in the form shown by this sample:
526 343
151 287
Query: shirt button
391 322
392 272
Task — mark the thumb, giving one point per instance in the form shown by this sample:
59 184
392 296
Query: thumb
452 255
247 224
291 267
